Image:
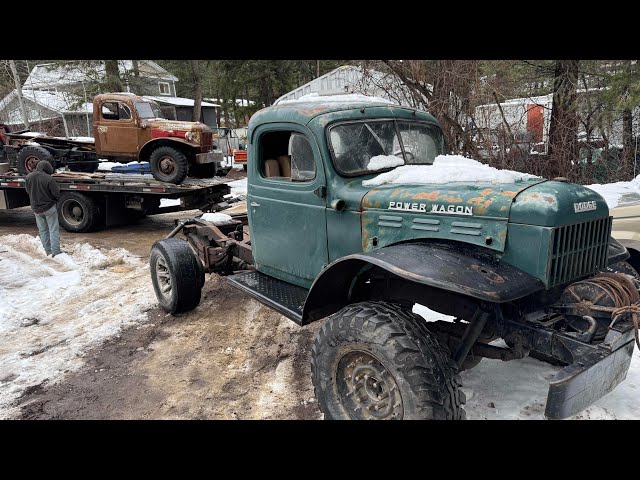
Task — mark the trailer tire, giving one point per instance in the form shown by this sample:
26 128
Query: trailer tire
30 156
177 275
78 213
168 165
205 170
377 360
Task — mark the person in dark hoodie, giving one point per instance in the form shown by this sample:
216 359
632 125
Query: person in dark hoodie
43 194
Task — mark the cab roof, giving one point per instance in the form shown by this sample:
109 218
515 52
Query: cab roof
305 112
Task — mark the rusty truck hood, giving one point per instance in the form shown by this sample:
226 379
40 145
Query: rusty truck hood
163 124
460 198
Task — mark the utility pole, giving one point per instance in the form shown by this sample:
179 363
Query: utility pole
16 80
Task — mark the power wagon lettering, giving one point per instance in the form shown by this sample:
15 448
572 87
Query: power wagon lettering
435 208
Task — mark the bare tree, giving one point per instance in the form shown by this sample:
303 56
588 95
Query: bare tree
197 90
563 130
112 73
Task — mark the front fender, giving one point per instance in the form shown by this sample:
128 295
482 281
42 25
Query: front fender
460 269
175 142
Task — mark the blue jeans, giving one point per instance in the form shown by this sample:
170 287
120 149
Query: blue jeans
49 230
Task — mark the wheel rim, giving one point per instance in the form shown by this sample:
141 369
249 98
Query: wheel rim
167 166
30 163
163 277
72 212
367 390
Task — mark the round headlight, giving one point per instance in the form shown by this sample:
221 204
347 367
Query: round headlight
189 136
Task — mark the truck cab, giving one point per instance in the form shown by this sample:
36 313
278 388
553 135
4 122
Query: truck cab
128 126
352 222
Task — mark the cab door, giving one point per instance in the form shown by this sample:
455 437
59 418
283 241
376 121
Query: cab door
287 204
116 133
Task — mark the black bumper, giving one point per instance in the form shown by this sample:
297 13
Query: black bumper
593 372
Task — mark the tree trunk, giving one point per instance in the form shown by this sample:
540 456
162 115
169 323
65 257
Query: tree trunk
136 78
16 80
628 146
197 90
563 130
113 83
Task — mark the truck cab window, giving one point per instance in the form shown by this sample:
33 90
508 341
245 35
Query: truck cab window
110 111
124 112
286 156
303 165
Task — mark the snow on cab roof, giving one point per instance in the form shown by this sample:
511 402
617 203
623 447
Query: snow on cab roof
338 98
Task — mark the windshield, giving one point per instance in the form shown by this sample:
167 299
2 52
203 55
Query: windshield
148 110
354 145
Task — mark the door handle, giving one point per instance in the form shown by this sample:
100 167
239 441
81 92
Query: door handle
254 204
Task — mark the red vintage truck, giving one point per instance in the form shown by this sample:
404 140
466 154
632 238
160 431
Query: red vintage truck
126 127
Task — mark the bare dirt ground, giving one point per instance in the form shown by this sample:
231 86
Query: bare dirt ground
230 358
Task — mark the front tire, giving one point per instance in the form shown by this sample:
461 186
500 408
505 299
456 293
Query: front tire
169 165
78 213
30 156
376 360
177 275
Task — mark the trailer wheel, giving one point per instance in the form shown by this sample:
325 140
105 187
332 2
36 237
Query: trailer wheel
205 170
29 156
78 213
168 165
177 275
376 360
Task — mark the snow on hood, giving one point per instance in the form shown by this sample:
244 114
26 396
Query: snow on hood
613 193
380 162
446 169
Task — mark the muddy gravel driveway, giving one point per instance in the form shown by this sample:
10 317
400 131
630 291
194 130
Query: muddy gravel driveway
229 358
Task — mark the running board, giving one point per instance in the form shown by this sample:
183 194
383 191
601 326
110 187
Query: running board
283 297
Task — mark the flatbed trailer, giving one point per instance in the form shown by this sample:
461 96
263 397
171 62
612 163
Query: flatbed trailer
93 201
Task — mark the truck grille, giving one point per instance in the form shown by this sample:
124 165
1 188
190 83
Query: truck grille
578 250
206 141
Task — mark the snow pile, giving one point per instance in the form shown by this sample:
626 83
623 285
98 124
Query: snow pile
518 389
216 217
613 193
52 310
83 139
347 98
384 161
238 187
446 169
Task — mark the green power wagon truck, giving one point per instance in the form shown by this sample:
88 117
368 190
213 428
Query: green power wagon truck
531 262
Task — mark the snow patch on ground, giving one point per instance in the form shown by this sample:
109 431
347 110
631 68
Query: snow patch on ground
518 389
216 217
52 310
446 169
613 192
348 98
238 187
384 161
